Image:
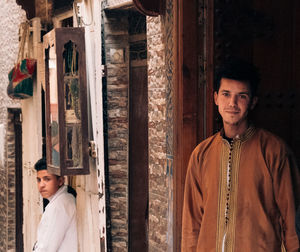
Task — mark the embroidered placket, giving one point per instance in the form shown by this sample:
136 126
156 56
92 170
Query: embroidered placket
228 184
229 171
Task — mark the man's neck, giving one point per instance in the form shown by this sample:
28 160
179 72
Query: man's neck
233 131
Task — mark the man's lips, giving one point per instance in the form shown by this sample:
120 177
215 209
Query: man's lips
232 111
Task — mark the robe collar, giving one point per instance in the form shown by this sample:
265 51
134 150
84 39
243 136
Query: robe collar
244 137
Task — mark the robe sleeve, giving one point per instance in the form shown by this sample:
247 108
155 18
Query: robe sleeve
55 226
286 181
192 215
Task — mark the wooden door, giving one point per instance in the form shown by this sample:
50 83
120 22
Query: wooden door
138 159
207 33
258 32
186 103
278 58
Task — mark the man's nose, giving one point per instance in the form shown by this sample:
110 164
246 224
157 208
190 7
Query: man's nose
233 100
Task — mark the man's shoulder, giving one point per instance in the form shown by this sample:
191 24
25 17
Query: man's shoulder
269 137
208 143
65 199
65 195
270 141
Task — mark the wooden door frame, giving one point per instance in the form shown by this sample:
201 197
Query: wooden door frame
17 124
204 103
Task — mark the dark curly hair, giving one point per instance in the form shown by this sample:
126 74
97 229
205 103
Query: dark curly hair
240 70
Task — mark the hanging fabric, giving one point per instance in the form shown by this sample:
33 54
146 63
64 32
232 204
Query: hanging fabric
21 75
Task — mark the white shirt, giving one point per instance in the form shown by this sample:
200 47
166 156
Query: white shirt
57 231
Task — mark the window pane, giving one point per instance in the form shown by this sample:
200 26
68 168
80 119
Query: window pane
55 157
72 107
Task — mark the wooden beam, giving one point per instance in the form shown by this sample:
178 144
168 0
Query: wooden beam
28 6
150 7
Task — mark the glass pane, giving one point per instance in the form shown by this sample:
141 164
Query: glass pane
72 107
55 157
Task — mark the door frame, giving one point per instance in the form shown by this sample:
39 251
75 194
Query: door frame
193 101
17 126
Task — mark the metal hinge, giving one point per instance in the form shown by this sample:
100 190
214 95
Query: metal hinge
92 149
104 70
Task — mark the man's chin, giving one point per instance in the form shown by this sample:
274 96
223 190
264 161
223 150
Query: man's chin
231 122
45 195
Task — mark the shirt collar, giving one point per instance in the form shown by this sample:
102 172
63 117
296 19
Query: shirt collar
59 191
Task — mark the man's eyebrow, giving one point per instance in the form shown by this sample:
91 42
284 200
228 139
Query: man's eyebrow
46 176
228 91
224 91
245 92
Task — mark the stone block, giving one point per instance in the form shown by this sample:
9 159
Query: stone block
116 56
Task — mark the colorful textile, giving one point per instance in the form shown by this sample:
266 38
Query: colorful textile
21 79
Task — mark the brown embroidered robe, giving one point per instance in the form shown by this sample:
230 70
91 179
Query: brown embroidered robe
241 195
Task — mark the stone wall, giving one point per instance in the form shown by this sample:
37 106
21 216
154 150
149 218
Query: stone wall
11 202
158 187
160 61
117 63
11 16
160 91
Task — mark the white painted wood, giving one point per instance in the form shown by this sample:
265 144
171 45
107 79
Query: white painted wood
91 212
91 20
32 146
116 4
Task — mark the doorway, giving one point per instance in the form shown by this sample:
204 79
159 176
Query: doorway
257 32
208 32
15 177
138 135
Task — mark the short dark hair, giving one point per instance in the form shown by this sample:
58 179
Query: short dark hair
40 165
240 70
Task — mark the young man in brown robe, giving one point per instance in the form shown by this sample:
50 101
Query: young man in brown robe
242 184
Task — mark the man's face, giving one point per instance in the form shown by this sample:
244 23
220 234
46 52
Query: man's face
48 184
234 101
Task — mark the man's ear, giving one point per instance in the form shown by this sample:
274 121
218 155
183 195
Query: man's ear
216 98
61 180
254 102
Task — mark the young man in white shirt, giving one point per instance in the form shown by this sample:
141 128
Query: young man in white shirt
57 230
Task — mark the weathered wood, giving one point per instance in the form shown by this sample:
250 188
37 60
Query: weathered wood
150 7
28 6
58 38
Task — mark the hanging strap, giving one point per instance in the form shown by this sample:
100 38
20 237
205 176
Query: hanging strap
24 30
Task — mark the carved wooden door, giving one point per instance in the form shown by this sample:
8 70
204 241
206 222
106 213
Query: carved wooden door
258 32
